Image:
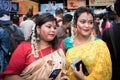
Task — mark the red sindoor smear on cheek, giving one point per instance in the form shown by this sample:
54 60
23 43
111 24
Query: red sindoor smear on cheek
79 27
44 32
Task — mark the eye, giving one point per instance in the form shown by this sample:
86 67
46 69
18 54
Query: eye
55 27
48 26
82 22
91 22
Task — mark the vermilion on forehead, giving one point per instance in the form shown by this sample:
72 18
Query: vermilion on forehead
87 13
86 16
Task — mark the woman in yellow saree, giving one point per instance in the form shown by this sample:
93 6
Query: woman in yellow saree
36 59
91 50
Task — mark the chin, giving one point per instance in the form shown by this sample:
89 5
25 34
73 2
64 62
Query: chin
86 34
50 39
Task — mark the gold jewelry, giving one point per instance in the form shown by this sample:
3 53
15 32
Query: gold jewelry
50 62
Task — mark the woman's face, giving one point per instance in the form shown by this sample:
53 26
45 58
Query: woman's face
47 31
85 24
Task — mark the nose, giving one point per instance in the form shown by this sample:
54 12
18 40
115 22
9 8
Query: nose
86 24
53 29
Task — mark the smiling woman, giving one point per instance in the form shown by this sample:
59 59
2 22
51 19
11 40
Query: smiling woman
38 58
91 50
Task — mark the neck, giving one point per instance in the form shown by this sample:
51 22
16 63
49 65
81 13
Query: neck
43 44
78 40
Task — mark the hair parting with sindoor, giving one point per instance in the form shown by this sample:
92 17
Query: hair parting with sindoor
35 38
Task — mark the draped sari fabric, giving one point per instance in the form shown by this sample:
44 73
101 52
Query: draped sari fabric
24 64
95 56
42 67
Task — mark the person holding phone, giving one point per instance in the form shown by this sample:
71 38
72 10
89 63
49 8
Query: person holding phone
92 51
38 57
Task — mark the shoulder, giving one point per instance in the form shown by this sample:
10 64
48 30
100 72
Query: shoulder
1 29
25 47
3 32
25 44
100 43
68 39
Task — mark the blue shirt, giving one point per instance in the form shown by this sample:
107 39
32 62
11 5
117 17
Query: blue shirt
4 42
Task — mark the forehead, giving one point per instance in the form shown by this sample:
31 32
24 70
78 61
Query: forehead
50 23
86 16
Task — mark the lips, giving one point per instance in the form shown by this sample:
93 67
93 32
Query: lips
86 30
52 35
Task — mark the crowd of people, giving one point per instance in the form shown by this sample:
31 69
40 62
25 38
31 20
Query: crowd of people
82 46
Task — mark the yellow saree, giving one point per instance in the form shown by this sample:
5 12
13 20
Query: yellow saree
96 58
42 67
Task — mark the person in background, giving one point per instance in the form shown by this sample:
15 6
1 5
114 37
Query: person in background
105 24
59 13
112 38
5 22
37 58
62 31
35 16
97 26
15 20
84 46
26 26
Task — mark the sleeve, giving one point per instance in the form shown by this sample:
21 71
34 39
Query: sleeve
103 67
17 61
62 45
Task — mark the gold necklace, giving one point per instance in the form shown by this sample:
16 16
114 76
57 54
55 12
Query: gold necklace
49 62
91 38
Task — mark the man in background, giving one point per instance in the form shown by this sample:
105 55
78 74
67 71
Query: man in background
26 26
59 13
64 31
112 37
5 22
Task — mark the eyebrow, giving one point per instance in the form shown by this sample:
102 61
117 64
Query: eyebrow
87 19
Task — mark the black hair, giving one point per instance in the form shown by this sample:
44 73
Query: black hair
35 16
15 19
117 7
29 14
81 10
67 18
42 19
59 11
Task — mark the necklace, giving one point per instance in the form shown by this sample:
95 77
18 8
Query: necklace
41 53
49 63
78 42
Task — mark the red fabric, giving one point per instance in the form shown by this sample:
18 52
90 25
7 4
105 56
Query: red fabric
63 45
20 59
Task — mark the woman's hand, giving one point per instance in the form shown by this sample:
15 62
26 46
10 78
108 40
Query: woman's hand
79 74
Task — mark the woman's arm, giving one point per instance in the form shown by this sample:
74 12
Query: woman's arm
12 77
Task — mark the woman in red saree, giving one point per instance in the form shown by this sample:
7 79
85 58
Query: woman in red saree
36 59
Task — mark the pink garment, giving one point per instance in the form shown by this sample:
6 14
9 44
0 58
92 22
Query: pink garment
107 25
